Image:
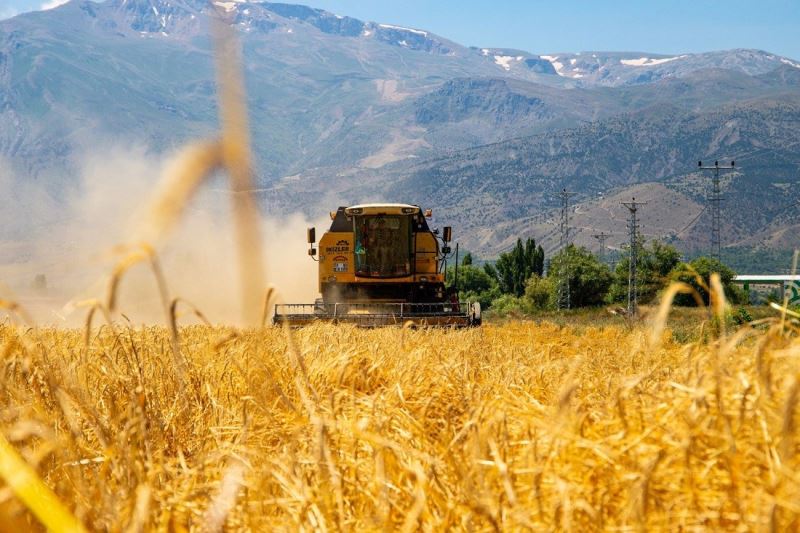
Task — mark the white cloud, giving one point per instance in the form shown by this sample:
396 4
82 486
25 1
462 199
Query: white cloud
53 4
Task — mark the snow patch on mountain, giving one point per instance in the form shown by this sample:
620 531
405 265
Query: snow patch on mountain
227 6
648 62
791 63
559 66
401 28
505 61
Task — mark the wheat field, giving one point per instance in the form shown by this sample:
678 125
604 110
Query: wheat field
519 426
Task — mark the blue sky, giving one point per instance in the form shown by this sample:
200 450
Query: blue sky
666 26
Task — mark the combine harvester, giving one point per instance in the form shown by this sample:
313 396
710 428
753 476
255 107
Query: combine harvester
379 265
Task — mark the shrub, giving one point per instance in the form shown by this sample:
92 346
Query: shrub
508 304
538 292
589 279
702 268
654 265
742 316
474 284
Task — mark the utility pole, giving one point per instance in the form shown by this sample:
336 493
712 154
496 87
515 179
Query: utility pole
633 229
565 195
714 200
563 283
602 236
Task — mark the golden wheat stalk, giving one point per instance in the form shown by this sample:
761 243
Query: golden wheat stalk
31 491
664 307
146 253
237 160
16 310
181 180
270 296
197 162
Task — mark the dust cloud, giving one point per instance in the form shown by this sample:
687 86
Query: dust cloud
58 252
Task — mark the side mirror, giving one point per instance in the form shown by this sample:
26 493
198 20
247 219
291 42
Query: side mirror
312 252
312 235
448 234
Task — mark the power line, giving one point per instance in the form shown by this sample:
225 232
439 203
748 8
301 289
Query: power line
633 228
563 283
714 202
693 221
602 236
784 208
565 195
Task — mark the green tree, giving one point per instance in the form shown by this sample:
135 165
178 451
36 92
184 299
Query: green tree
513 268
538 293
470 278
704 267
589 279
467 261
490 270
474 284
654 264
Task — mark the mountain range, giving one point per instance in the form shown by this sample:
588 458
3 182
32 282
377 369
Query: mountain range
344 111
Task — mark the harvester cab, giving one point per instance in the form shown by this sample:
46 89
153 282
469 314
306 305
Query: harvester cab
381 264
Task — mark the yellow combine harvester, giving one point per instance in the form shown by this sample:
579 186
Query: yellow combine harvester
380 264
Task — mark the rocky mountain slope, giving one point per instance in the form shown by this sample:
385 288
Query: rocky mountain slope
347 110
495 192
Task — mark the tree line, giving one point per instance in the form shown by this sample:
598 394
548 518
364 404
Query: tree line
522 280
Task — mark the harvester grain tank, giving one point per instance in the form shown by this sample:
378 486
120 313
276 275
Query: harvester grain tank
380 264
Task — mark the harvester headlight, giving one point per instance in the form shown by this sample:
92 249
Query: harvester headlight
353 210
423 278
409 210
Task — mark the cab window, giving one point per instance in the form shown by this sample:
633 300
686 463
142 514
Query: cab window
383 245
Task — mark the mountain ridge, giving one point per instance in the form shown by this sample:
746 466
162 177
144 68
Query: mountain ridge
341 105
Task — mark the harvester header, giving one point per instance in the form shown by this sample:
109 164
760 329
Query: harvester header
381 264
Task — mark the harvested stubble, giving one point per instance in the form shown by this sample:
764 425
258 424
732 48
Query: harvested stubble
336 428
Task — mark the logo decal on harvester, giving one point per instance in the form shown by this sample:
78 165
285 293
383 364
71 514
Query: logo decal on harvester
340 263
341 246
